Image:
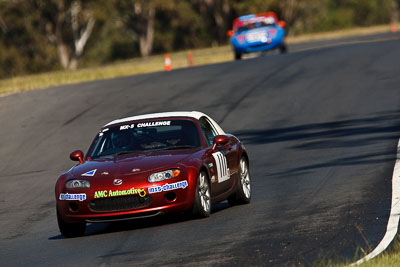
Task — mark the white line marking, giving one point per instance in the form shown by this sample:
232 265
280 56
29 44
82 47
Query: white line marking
343 43
393 222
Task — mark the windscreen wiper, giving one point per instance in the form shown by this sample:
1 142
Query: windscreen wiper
179 147
126 152
118 153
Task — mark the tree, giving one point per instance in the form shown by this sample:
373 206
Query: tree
3 25
64 17
144 13
23 47
220 11
395 12
139 16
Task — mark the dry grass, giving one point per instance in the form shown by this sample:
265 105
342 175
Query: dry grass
386 259
340 34
155 63
389 258
119 69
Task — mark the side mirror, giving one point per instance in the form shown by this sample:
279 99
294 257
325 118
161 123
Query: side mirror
219 140
229 33
282 24
77 155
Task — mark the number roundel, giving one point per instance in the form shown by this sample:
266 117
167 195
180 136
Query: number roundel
222 166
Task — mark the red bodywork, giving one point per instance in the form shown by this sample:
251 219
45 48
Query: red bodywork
134 170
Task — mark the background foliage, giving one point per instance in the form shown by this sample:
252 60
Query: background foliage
44 35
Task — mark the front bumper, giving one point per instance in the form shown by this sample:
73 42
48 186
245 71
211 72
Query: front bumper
118 208
258 46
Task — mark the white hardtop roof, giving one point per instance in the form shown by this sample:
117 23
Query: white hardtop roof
191 114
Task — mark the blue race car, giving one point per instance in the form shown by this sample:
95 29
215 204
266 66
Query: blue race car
257 33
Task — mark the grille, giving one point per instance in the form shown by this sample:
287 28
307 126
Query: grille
258 45
119 203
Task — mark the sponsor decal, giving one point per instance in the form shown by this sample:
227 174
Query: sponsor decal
104 173
89 173
210 165
116 193
168 187
117 182
128 126
257 36
153 123
272 33
144 124
66 196
222 167
135 170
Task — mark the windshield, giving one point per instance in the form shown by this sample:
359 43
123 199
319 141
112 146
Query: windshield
249 25
145 136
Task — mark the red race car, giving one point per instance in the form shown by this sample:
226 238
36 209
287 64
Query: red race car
153 164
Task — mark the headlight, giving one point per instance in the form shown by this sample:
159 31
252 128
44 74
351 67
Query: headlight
164 175
77 184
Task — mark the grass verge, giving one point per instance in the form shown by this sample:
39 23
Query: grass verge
118 69
156 63
389 258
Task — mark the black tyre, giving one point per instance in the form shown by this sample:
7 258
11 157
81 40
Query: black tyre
283 48
70 229
202 199
238 55
243 189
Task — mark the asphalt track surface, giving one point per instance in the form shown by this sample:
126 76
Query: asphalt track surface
321 126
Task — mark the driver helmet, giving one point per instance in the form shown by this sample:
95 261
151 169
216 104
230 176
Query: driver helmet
121 139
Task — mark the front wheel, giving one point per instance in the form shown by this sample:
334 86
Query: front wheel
283 48
238 55
202 199
243 191
70 229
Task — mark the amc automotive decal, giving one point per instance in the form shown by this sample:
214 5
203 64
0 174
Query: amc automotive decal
115 193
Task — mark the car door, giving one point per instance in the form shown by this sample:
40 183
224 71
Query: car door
222 161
